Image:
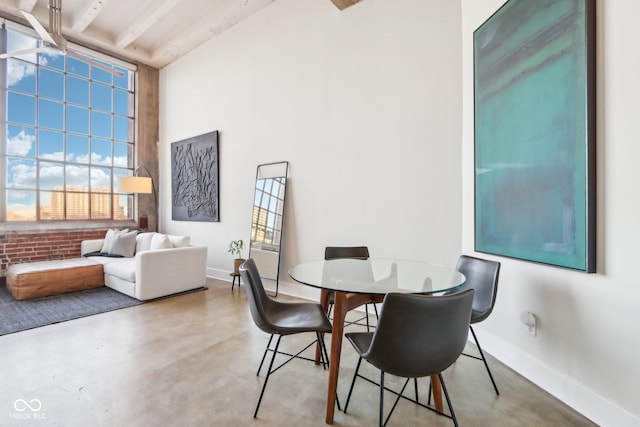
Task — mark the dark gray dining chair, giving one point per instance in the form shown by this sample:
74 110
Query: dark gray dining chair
351 252
482 276
416 336
282 318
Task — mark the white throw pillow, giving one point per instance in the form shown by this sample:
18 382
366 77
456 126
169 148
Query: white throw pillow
108 239
179 241
160 241
123 244
143 241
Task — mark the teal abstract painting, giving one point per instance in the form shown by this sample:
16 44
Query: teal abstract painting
534 89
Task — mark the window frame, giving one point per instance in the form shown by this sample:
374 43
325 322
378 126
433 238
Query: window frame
129 145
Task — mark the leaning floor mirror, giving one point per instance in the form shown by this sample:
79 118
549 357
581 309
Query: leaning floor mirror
267 218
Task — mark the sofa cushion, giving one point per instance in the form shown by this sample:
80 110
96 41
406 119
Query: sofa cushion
123 244
124 269
108 239
143 241
104 260
180 241
160 241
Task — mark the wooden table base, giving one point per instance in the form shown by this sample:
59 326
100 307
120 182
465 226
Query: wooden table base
343 303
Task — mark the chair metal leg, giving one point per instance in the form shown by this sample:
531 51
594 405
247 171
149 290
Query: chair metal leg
366 312
324 359
486 365
264 386
381 411
366 309
400 395
354 322
395 403
446 395
266 350
353 382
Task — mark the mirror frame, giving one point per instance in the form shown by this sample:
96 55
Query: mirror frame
269 171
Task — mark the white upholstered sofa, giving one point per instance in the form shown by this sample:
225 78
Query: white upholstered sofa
160 265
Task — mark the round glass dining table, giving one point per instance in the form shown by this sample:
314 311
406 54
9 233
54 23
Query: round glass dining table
355 282
376 276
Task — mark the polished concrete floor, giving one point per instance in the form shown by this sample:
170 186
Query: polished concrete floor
191 360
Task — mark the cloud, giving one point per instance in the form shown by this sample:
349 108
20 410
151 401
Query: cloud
51 176
58 155
79 159
120 161
21 144
24 174
18 70
77 176
21 195
97 159
99 179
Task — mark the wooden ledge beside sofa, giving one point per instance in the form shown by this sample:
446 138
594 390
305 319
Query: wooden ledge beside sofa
46 278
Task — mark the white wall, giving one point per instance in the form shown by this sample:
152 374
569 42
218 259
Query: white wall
365 104
588 343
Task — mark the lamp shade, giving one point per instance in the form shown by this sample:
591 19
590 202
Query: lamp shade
135 184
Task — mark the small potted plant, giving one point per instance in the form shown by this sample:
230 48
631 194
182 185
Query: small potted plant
235 249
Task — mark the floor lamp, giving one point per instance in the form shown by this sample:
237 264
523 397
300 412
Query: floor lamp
140 185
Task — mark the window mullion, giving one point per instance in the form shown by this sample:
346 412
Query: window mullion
86 156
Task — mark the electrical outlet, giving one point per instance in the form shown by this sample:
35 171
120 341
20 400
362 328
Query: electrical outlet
529 320
531 330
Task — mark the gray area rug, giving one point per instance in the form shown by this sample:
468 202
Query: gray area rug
18 316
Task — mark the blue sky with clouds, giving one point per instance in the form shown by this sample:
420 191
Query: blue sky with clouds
91 96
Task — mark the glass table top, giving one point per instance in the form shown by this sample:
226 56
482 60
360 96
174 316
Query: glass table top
377 276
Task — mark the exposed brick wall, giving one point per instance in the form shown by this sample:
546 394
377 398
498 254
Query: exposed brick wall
20 247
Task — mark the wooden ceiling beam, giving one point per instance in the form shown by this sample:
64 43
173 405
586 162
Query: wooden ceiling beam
138 28
343 4
88 11
27 5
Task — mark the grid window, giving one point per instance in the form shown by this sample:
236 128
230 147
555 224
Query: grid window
68 133
267 222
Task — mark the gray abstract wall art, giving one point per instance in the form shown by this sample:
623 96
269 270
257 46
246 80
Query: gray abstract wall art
194 179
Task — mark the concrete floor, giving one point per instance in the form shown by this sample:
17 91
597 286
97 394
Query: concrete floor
191 360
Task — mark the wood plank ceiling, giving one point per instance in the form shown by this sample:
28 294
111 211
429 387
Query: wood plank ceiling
152 32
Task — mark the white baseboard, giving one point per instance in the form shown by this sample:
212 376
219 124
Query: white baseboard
590 404
284 288
215 273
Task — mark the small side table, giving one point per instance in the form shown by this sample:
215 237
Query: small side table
233 282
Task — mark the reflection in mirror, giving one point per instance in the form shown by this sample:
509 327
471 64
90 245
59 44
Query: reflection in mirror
266 220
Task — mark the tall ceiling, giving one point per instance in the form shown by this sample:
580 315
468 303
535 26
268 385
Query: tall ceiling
152 32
